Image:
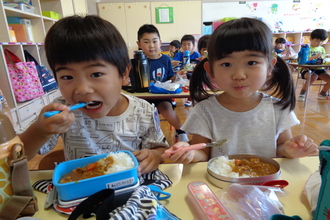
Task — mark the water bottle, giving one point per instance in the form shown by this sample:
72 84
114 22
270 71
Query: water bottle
303 54
8 142
186 58
4 108
140 72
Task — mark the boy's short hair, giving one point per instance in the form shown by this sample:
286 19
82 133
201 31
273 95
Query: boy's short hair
77 39
280 40
188 37
175 43
319 34
147 28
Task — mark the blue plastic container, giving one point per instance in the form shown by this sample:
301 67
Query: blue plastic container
87 187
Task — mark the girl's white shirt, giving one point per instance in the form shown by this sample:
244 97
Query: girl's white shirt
254 131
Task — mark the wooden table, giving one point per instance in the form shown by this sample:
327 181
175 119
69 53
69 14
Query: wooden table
307 66
295 171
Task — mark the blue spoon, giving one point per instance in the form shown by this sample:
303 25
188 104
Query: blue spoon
72 107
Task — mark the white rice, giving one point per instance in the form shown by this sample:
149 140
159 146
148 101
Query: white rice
122 161
223 166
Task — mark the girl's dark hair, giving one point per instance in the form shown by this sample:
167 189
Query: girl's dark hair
77 39
240 35
202 42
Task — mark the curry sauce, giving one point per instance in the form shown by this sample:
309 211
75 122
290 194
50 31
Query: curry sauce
253 167
91 170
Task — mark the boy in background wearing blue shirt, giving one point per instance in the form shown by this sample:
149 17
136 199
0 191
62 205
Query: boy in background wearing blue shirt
187 43
160 70
316 52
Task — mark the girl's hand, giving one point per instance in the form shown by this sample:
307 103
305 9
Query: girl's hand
149 159
56 124
300 146
180 156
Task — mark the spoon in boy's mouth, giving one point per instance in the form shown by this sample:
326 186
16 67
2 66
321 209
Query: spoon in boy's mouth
72 107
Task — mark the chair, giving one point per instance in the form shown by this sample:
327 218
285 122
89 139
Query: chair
318 82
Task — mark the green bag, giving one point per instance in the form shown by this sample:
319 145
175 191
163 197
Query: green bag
323 204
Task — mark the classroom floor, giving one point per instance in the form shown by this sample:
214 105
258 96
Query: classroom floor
314 120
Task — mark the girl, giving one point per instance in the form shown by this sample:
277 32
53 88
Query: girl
241 61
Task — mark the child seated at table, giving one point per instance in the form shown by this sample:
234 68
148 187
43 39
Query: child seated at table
160 70
91 68
187 43
279 47
252 121
318 36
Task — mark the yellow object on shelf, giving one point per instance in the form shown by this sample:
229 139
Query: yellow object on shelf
290 39
51 14
305 39
12 35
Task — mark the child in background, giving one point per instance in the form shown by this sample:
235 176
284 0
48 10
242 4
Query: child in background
241 62
316 52
279 45
93 70
187 43
202 46
174 48
160 70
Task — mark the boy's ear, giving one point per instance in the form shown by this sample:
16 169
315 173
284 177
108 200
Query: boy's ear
138 43
125 79
207 68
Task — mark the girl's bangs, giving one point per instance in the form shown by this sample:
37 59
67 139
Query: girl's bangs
236 38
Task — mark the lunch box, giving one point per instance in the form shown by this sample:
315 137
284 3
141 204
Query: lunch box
87 187
224 181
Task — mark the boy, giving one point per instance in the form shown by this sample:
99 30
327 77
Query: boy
280 45
316 52
187 43
174 48
92 68
160 70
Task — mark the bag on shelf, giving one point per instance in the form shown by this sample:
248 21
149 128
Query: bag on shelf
24 78
47 80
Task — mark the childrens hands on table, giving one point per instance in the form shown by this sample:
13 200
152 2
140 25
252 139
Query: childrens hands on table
178 153
149 160
300 146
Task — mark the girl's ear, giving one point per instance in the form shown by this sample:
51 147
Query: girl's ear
273 63
125 79
207 67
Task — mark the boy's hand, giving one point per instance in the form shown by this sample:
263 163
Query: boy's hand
149 160
58 123
300 146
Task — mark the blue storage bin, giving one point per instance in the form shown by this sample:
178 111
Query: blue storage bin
87 187
13 20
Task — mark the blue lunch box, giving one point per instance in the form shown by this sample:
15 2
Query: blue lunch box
87 187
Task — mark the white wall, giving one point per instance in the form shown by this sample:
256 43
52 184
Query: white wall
285 15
